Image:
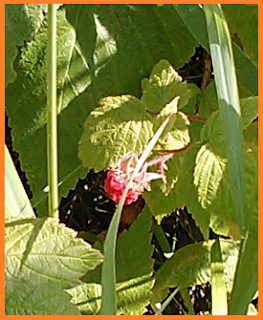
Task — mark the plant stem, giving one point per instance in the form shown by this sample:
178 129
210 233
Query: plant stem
52 112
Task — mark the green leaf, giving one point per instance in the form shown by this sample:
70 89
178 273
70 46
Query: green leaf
133 272
191 265
118 126
25 298
163 85
192 15
89 63
42 251
21 23
16 199
243 25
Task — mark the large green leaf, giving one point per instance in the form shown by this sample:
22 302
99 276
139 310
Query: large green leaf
191 265
133 272
42 251
21 23
141 34
243 25
247 72
118 126
25 298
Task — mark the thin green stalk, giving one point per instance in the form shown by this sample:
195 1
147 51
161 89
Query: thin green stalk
187 300
52 112
228 99
166 302
108 274
162 240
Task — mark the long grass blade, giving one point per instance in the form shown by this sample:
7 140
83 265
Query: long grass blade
52 150
246 278
219 294
108 275
16 200
227 92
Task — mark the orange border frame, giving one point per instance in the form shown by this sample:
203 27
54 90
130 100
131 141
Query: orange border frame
116 2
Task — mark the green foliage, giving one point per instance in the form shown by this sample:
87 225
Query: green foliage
97 48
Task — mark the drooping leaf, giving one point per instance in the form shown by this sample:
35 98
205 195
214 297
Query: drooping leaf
21 23
191 265
118 126
163 85
42 251
133 272
88 46
25 298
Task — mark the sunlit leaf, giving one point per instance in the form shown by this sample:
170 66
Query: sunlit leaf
118 126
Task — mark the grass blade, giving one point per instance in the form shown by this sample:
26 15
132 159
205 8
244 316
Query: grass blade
219 294
227 92
246 278
108 275
16 199
52 148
